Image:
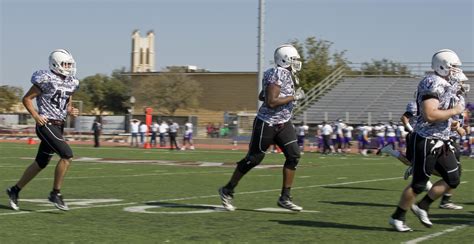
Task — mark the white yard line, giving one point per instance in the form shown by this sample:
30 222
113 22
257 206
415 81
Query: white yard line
430 236
73 208
277 190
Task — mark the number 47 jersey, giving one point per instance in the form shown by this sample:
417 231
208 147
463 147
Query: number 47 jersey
55 93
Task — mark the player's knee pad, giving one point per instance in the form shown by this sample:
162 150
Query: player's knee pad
42 159
291 163
418 187
67 160
67 155
457 155
249 162
453 181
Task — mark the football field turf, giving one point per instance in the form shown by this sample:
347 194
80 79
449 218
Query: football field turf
128 195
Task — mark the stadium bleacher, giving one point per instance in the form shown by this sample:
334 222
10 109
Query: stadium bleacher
363 99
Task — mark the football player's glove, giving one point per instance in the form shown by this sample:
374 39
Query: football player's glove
299 94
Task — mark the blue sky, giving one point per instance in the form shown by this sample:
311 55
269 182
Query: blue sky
221 35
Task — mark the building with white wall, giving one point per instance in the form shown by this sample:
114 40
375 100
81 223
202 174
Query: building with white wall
143 52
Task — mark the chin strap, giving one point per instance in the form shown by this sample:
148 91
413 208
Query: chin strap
296 80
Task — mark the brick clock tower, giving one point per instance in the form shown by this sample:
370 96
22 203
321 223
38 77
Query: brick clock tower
143 52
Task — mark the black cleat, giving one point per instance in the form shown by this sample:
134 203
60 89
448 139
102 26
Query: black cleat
57 200
13 196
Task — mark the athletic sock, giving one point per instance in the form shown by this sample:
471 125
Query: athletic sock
425 203
15 188
446 198
399 214
285 192
230 186
55 191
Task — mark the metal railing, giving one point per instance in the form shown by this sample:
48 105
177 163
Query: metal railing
414 69
320 88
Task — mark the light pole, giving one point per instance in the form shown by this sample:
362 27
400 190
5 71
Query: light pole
261 58
132 103
129 116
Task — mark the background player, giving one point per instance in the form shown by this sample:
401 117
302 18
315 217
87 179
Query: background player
188 136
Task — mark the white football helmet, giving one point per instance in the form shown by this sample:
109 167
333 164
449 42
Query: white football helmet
287 56
444 61
62 62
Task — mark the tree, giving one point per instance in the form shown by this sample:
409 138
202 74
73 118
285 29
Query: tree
103 93
170 91
318 61
384 67
9 96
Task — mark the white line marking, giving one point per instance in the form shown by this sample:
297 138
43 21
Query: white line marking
204 208
199 197
276 190
427 237
210 164
55 209
282 210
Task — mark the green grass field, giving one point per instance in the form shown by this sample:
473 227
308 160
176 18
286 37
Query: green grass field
125 195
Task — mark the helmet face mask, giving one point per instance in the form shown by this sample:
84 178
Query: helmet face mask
287 56
62 62
445 62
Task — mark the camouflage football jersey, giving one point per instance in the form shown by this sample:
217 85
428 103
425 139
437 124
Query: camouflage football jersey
456 85
435 87
55 93
282 78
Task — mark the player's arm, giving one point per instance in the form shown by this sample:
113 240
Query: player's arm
273 100
432 114
456 126
27 100
467 128
405 119
70 109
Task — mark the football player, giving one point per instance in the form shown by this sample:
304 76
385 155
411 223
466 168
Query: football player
273 126
380 129
363 137
301 131
188 136
347 131
338 131
53 91
437 104
457 132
